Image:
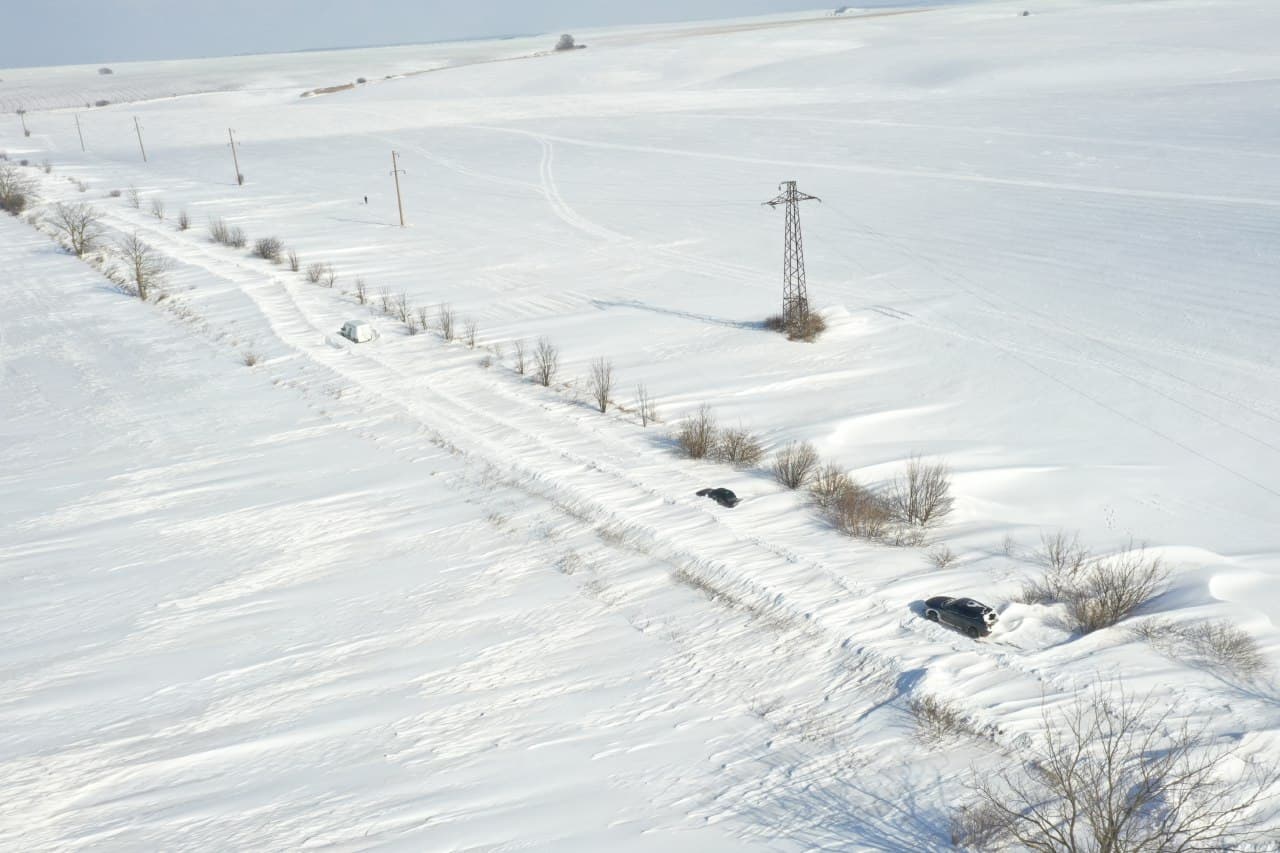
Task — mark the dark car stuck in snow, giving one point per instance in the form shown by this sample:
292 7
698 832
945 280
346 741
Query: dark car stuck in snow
972 618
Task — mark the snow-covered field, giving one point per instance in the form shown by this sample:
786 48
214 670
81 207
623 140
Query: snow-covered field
383 597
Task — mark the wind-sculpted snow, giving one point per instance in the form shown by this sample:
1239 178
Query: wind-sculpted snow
380 595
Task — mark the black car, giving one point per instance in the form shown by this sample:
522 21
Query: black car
972 617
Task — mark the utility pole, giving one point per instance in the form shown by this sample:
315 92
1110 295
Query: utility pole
234 159
795 295
138 128
395 173
79 133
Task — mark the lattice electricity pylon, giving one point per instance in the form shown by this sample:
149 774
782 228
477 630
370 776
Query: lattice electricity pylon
795 295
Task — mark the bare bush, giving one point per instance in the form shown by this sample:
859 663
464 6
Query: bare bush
46 167
600 383
384 299
827 484
518 348
645 406
739 447
941 556
219 232
1116 773
699 434
546 361
330 277
565 42
469 329
250 358
269 249
132 196
444 320
236 238
858 511
294 263
16 190
921 495
423 319
937 719
114 194
1219 642
1226 645
77 226
184 220
145 268
977 826
794 464
411 322
362 291
1062 552
80 185
157 208
400 307
1108 591
801 328
315 272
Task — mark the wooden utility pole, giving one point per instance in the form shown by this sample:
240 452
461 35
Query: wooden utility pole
395 173
234 159
79 132
138 128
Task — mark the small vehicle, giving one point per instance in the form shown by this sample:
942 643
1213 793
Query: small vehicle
358 331
724 497
972 618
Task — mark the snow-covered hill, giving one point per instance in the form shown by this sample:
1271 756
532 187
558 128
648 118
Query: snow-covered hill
386 596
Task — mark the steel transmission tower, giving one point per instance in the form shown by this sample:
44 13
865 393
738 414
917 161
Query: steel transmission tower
795 296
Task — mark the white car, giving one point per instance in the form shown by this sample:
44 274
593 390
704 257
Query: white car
358 331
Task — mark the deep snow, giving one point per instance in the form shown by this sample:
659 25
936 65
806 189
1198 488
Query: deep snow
382 596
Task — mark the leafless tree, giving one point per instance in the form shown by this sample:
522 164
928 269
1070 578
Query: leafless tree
362 291
546 361
422 318
469 329
401 307
329 278
157 208
16 190
645 406
444 319
184 220
384 299
921 495
1115 773
600 382
78 226
794 464
144 266
699 434
519 349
